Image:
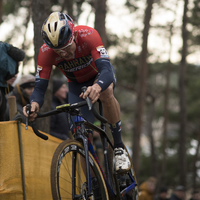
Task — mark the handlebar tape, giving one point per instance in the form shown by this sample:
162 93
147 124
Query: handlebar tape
44 137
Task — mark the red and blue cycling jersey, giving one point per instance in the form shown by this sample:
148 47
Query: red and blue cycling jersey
90 59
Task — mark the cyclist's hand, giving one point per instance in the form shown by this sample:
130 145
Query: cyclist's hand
93 92
34 108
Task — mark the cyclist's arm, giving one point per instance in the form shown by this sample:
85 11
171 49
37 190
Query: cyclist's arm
102 62
39 91
105 79
37 98
44 69
106 73
42 78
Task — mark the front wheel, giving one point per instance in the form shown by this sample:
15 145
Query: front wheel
68 174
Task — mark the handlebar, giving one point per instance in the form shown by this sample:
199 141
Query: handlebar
38 133
91 107
71 109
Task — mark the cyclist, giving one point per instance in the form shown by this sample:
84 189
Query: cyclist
79 53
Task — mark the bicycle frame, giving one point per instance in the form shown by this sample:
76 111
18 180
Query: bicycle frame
80 136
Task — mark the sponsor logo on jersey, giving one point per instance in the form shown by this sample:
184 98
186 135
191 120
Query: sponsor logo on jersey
90 32
85 32
76 64
44 48
102 51
39 68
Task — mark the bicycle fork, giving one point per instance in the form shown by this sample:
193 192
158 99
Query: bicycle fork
83 139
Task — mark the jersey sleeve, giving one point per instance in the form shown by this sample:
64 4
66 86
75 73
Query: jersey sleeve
42 75
105 69
44 63
96 45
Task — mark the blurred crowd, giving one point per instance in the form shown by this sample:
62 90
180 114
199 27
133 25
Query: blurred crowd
13 84
149 190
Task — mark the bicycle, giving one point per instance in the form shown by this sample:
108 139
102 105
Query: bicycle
75 169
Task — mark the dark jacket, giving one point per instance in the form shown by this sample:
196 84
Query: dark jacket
59 123
20 104
159 198
174 197
9 66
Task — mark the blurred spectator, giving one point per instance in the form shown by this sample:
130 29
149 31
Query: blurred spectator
3 100
162 195
59 123
22 91
9 58
147 189
178 194
195 195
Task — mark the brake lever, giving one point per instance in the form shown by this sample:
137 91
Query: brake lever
89 102
28 108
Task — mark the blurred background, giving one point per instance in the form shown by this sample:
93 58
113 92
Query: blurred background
154 47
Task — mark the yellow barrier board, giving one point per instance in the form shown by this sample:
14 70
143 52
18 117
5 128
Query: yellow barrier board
37 156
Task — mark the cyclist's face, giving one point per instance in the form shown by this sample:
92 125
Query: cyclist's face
68 52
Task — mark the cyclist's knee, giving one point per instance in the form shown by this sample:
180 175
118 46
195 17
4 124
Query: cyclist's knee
107 94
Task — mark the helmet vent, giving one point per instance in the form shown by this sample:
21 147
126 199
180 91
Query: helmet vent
62 33
62 16
49 28
69 18
55 26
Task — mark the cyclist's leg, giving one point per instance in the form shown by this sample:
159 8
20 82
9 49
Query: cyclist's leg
73 96
111 109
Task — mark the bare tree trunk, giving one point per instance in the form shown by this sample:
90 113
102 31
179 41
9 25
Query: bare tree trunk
1 10
166 102
194 175
141 87
40 11
24 44
166 114
153 167
100 19
166 119
68 5
182 96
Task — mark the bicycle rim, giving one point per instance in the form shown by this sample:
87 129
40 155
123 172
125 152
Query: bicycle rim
62 177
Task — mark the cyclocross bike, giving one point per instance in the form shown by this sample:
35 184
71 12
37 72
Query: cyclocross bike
75 169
